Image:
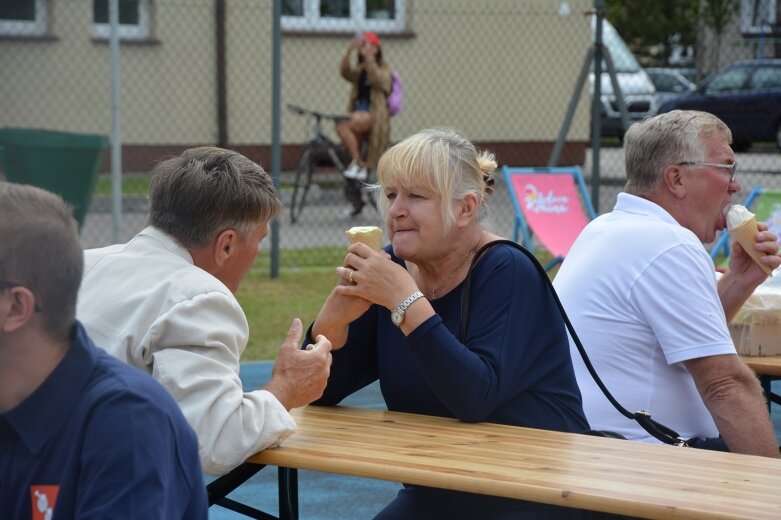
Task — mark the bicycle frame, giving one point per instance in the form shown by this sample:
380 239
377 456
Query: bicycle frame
317 144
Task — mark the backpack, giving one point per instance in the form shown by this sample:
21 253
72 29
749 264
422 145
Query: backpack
396 96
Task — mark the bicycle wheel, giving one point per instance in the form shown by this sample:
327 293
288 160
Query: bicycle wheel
301 187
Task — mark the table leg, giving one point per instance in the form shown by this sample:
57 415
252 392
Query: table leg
765 381
288 493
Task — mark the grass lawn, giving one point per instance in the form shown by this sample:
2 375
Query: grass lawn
299 292
132 184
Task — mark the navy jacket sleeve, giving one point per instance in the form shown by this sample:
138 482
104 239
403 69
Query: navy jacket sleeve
355 364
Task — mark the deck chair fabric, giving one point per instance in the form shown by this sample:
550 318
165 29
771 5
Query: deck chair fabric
766 205
551 204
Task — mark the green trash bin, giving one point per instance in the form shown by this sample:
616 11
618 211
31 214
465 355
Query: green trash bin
61 162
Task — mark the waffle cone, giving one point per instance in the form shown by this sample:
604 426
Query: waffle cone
369 235
745 234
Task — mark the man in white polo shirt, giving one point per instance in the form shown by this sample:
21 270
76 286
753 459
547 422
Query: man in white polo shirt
641 292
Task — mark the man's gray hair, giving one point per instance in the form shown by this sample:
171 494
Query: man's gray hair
665 139
207 190
42 252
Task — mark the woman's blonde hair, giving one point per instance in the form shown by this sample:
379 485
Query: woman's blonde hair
442 161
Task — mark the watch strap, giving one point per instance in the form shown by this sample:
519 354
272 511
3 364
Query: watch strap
404 305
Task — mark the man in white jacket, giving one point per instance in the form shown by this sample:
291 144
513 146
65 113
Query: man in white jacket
164 302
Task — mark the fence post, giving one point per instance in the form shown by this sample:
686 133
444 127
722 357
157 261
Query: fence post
275 134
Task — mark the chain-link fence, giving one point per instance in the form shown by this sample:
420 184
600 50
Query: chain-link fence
197 72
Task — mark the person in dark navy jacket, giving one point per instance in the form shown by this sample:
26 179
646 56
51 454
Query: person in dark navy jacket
82 434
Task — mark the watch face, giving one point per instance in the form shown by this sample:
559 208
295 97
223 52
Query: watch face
397 317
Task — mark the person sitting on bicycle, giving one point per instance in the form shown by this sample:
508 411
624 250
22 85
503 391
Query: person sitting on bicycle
369 119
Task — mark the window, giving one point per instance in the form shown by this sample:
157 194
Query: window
757 16
133 19
623 59
343 15
730 80
23 17
766 77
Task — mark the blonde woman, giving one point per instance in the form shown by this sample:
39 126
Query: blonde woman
396 316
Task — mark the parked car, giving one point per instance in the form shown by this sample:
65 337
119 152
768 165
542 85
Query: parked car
636 87
745 95
669 84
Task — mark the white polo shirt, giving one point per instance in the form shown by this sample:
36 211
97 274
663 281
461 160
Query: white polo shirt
640 290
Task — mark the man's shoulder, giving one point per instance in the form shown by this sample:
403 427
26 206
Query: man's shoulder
151 261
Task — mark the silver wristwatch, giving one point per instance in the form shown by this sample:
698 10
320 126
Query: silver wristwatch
397 316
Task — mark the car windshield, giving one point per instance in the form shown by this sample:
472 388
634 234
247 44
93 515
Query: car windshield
623 59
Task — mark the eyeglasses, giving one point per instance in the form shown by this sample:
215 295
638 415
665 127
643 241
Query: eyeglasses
10 285
733 168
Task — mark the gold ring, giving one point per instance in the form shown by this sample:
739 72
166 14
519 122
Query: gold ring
351 276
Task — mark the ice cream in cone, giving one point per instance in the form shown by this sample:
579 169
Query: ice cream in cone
369 235
742 227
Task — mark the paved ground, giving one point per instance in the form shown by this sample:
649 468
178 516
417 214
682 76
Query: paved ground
324 496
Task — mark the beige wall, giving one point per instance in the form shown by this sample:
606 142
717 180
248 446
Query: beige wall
498 70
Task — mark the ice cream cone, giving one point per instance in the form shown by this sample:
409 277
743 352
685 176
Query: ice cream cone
745 235
369 235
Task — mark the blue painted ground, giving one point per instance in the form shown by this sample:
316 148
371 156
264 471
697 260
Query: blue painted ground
323 496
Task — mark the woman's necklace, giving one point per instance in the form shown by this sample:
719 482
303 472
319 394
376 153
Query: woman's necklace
454 271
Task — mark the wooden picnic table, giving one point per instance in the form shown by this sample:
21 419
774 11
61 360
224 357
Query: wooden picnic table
579 471
769 366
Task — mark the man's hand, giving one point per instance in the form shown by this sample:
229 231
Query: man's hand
744 275
299 376
741 264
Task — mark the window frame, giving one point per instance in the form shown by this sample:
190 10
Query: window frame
312 22
37 27
141 31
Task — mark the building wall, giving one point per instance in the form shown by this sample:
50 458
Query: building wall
500 71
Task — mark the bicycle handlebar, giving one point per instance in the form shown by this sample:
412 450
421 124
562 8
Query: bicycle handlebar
317 115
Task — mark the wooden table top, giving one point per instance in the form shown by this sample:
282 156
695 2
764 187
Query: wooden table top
600 474
764 365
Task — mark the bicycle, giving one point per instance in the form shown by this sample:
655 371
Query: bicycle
318 147
318 144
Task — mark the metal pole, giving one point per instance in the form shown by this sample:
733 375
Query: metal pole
275 122
116 137
573 104
222 88
596 105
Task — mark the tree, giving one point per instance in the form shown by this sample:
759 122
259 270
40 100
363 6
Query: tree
717 14
651 28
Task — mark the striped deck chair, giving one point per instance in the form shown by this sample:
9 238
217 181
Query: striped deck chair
550 203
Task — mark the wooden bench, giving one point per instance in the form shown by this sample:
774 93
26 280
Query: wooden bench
593 473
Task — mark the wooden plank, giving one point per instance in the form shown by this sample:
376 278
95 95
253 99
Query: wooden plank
764 365
600 474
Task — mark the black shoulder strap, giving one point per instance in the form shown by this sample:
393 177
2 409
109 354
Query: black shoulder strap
656 429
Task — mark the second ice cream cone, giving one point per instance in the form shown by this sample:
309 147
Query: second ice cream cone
745 235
